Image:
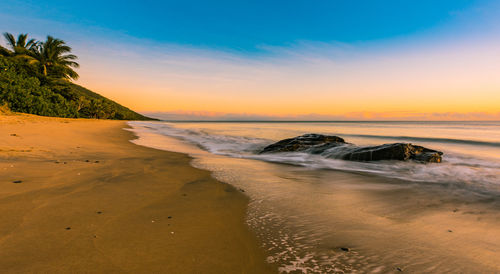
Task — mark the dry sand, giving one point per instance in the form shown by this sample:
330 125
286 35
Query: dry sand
91 201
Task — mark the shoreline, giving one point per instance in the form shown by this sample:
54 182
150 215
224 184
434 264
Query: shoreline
330 220
91 200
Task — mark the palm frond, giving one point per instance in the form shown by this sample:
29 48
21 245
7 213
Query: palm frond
21 40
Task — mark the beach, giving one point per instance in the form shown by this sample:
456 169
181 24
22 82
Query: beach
315 213
77 196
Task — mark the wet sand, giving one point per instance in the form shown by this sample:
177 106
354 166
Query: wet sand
324 221
88 200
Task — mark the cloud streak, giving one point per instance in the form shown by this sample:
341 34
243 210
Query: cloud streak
418 78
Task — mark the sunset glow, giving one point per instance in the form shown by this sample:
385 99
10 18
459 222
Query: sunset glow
447 69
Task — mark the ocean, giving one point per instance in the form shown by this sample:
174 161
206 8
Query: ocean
314 213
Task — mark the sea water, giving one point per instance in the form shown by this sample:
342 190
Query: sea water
319 214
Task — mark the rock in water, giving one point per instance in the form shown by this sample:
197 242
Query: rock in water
397 151
304 142
336 147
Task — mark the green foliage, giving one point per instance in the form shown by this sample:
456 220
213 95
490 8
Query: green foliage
25 90
5 110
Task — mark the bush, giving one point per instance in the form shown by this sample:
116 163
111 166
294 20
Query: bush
21 90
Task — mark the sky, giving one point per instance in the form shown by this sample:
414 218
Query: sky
280 60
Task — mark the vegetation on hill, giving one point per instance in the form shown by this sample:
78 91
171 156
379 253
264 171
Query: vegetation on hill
35 77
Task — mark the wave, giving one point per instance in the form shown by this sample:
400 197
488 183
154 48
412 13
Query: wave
426 139
456 170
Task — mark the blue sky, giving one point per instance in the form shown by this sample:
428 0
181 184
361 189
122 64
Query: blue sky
323 59
247 25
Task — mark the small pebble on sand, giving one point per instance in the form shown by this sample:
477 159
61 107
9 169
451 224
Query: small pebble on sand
17 182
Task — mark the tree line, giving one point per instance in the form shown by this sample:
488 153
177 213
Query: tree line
35 77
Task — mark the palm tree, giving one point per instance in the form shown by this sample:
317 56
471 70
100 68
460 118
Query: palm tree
19 47
54 59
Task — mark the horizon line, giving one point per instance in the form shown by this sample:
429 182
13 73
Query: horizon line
319 121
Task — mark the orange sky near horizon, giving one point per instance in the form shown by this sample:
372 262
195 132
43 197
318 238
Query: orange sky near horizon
417 81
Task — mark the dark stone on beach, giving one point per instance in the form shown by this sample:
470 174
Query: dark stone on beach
64 163
99 212
184 194
304 142
336 147
87 161
399 269
96 162
449 230
346 249
170 217
242 190
68 228
17 182
15 135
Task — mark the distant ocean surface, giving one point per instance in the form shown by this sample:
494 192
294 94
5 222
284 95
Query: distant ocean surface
298 193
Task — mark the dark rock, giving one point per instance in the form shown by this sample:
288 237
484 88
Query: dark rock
242 190
68 228
336 147
397 151
99 212
399 269
304 142
96 162
87 161
15 135
17 182
346 249
170 217
449 230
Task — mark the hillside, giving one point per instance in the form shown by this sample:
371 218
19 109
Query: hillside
24 91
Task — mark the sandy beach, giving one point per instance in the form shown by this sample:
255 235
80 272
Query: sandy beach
77 197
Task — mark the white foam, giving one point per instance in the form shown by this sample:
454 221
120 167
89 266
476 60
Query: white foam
456 170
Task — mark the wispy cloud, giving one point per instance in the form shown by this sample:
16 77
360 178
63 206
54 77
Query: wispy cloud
429 77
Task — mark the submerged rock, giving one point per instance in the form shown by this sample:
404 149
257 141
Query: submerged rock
336 147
